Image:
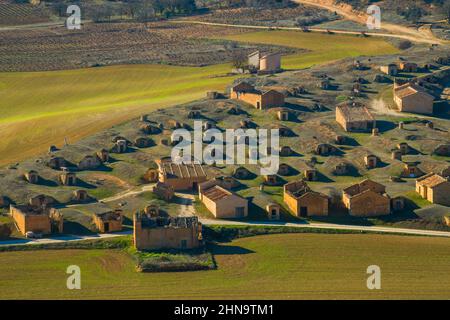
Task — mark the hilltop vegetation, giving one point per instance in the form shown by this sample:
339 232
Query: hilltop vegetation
412 10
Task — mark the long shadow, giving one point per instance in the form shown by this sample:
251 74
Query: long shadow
47 182
349 141
296 107
83 184
384 126
127 221
292 172
228 250
323 178
72 227
345 220
104 168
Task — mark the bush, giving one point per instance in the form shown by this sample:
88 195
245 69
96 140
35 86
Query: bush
405 45
174 261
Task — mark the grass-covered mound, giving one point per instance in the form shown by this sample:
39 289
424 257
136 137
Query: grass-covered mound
174 261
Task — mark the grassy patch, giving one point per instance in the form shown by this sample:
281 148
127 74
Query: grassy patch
323 47
417 199
283 266
172 261
77 103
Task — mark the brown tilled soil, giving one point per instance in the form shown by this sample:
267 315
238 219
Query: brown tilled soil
56 48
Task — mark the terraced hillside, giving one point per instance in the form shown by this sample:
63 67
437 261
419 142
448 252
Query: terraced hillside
41 108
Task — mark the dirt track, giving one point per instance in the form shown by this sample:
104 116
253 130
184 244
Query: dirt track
422 34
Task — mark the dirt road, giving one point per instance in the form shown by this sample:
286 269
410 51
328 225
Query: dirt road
422 34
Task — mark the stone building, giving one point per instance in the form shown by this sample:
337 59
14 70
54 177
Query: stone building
150 129
403 147
226 182
32 177
266 63
181 176
221 202
121 146
283 115
396 155
103 155
37 219
325 149
354 116
270 62
273 211
366 199
89 162
108 221
304 202
41 200
413 98
80 196
371 161
259 99
271 180
341 169
157 233
68 178
434 188
310 174
411 170
406 66
390 69
57 163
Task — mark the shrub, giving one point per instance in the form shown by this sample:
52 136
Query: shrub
405 45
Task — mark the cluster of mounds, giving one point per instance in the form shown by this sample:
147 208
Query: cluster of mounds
313 140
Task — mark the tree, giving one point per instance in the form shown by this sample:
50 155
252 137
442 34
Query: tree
446 9
239 61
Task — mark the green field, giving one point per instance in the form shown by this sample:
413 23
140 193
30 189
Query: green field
39 109
323 47
284 266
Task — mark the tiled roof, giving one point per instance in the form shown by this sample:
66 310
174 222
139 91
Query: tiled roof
432 181
186 171
216 193
409 89
355 111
